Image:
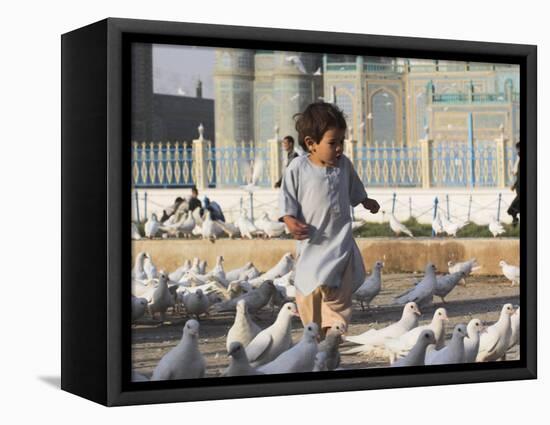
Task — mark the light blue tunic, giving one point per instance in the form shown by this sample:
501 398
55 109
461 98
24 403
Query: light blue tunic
321 197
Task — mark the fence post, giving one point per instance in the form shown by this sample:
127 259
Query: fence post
436 201
393 203
275 171
498 209
137 206
145 206
425 148
501 159
471 149
199 156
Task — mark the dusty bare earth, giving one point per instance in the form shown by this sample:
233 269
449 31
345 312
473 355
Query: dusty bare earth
483 298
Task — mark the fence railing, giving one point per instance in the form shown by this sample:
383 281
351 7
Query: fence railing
481 163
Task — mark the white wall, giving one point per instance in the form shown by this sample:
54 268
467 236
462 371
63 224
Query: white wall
484 203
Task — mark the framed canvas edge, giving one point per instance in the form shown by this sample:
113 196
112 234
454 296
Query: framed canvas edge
116 234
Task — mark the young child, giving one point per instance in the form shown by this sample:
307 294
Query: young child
316 193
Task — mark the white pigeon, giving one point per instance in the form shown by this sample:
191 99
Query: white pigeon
138 272
135 232
399 227
172 226
208 225
297 62
187 226
452 228
246 227
418 352
510 271
239 364
370 287
375 338
285 285
184 361
494 343
218 272
150 268
139 306
144 288
230 229
195 265
467 267
437 226
272 341
298 359
400 346
514 324
451 353
471 342
162 298
495 227
152 226
271 228
176 275
244 330
254 175
423 292
196 303
235 274
285 265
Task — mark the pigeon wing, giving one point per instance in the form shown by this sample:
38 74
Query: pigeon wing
258 346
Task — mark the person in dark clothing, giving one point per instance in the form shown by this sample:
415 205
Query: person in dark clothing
194 201
288 146
169 211
514 208
214 208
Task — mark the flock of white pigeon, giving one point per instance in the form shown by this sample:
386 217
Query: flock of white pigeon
246 291
185 224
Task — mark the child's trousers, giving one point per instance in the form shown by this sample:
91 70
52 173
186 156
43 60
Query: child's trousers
327 306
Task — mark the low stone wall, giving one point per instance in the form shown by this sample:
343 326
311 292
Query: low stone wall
399 255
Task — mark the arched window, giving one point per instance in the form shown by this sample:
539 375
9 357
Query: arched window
266 121
384 112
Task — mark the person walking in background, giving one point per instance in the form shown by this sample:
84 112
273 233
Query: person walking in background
170 210
514 208
194 201
288 147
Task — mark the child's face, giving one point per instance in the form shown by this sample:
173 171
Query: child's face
329 149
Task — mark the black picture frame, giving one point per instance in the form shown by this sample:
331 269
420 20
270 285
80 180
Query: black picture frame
96 258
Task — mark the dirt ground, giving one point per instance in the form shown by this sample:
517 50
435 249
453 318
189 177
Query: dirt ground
482 297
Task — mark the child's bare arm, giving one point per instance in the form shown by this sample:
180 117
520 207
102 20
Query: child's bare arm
298 229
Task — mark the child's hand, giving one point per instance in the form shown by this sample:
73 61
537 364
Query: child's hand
298 229
371 205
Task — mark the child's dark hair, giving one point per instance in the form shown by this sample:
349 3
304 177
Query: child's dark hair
317 118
